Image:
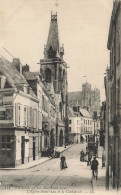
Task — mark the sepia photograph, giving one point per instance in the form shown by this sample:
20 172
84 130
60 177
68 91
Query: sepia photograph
60 99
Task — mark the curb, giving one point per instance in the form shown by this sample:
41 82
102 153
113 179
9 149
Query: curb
11 169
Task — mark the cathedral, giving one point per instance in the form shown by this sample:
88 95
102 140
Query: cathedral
54 72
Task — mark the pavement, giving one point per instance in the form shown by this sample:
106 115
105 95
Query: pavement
44 177
36 162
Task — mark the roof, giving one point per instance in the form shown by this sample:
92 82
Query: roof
74 95
71 113
12 74
85 113
53 38
113 15
75 98
29 75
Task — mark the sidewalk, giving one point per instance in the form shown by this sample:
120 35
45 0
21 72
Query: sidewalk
35 162
99 184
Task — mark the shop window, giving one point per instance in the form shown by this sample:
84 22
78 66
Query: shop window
6 141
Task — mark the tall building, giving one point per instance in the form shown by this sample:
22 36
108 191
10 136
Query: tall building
113 101
54 71
86 95
87 98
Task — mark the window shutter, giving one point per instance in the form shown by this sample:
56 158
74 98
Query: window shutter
31 118
28 116
16 114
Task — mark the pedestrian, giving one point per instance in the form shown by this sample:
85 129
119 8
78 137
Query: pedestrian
89 158
63 163
55 152
103 158
94 167
82 156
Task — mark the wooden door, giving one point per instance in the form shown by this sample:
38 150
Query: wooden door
22 149
7 151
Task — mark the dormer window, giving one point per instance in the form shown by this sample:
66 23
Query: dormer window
25 88
2 81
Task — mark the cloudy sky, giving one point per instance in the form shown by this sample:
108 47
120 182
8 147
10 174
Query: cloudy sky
83 28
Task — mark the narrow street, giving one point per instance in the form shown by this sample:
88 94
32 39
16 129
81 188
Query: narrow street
48 177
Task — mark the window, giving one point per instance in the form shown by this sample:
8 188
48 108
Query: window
69 121
88 122
7 141
48 75
45 104
25 116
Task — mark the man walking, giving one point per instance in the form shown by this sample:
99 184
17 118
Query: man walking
94 167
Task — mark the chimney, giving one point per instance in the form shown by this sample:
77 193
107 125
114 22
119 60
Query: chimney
25 68
16 63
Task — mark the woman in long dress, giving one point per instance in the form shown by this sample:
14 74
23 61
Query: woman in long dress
63 163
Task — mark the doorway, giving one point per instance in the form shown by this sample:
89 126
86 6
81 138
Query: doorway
22 149
33 148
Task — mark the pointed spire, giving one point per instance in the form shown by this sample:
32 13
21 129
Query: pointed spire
52 47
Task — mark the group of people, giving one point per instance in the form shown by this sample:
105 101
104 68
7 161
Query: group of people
93 163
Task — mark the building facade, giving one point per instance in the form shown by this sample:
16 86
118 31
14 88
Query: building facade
19 131
113 101
74 126
80 125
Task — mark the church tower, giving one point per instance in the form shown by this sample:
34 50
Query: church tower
54 71
53 67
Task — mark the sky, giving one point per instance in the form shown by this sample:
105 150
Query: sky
83 29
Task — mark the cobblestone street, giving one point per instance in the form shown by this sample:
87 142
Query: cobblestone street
48 177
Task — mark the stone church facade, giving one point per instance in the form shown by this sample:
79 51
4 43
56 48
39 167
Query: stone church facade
54 72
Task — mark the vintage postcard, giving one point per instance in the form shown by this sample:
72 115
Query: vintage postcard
60 96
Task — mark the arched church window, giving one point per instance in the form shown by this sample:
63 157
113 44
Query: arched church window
60 109
48 75
59 79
